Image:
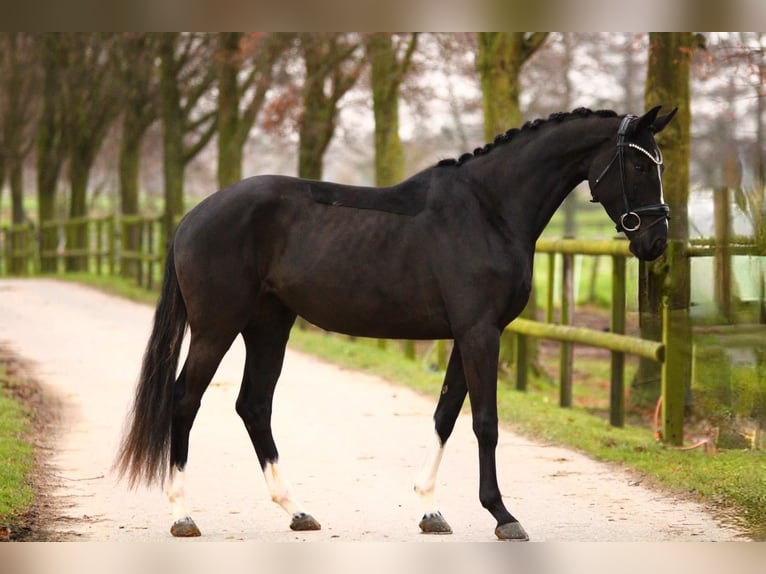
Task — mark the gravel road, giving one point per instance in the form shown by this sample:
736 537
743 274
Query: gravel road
350 444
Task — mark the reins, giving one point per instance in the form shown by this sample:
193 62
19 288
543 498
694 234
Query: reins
630 220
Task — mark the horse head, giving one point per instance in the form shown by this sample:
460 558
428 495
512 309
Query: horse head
626 179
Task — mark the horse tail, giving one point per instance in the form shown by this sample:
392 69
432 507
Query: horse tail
143 455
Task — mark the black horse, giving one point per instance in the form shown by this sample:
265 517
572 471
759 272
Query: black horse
446 254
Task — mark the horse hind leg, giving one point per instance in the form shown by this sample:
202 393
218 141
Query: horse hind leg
205 353
265 341
447 410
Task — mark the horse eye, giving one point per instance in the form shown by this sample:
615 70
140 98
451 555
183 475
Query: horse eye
639 168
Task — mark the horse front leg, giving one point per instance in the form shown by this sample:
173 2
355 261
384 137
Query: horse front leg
479 349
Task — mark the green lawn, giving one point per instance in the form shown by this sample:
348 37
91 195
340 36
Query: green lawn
16 454
732 480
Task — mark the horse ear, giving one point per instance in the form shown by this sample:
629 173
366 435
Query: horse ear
659 124
646 121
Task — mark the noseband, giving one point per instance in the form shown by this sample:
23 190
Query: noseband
630 220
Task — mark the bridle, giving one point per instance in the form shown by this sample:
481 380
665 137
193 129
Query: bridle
630 220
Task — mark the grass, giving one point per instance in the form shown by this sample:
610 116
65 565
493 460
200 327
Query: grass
732 480
16 454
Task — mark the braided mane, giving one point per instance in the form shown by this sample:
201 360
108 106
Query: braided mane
508 136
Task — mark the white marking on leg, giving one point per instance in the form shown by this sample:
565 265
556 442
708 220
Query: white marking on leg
280 490
425 484
177 494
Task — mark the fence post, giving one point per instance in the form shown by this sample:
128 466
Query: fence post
34 250
150 253
551 284
99 244
3 247
567 304
139 248
676 335
111 230
617 383
522 362
62 234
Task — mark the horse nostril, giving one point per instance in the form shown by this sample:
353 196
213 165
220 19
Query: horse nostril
657 248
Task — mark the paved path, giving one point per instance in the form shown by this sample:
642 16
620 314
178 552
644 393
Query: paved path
351 445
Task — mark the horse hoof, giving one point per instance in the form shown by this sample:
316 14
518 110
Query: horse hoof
511 531
185 528
434 523
303 521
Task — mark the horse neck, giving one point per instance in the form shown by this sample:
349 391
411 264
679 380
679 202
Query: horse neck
532 180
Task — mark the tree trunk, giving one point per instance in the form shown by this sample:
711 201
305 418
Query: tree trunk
386 77
139 86
50 145
179 102
172 138
759 219
2 176
330 73
667 82
229 147
80 162
16 181
316 130
19 86
500 58
499 67
130 162
387 73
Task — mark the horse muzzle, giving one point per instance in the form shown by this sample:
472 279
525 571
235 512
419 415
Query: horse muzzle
648 249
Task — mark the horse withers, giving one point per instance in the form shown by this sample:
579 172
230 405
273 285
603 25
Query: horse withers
446 254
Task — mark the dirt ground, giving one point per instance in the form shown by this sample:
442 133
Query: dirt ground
350 444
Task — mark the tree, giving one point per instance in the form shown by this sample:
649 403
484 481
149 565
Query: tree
186 75
136 54
390 60
91 104
499 60
50 137
332 67
237 111
668 83
19 84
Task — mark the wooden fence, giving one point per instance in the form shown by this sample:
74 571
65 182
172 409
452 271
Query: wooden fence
130 245
134 246
615 340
